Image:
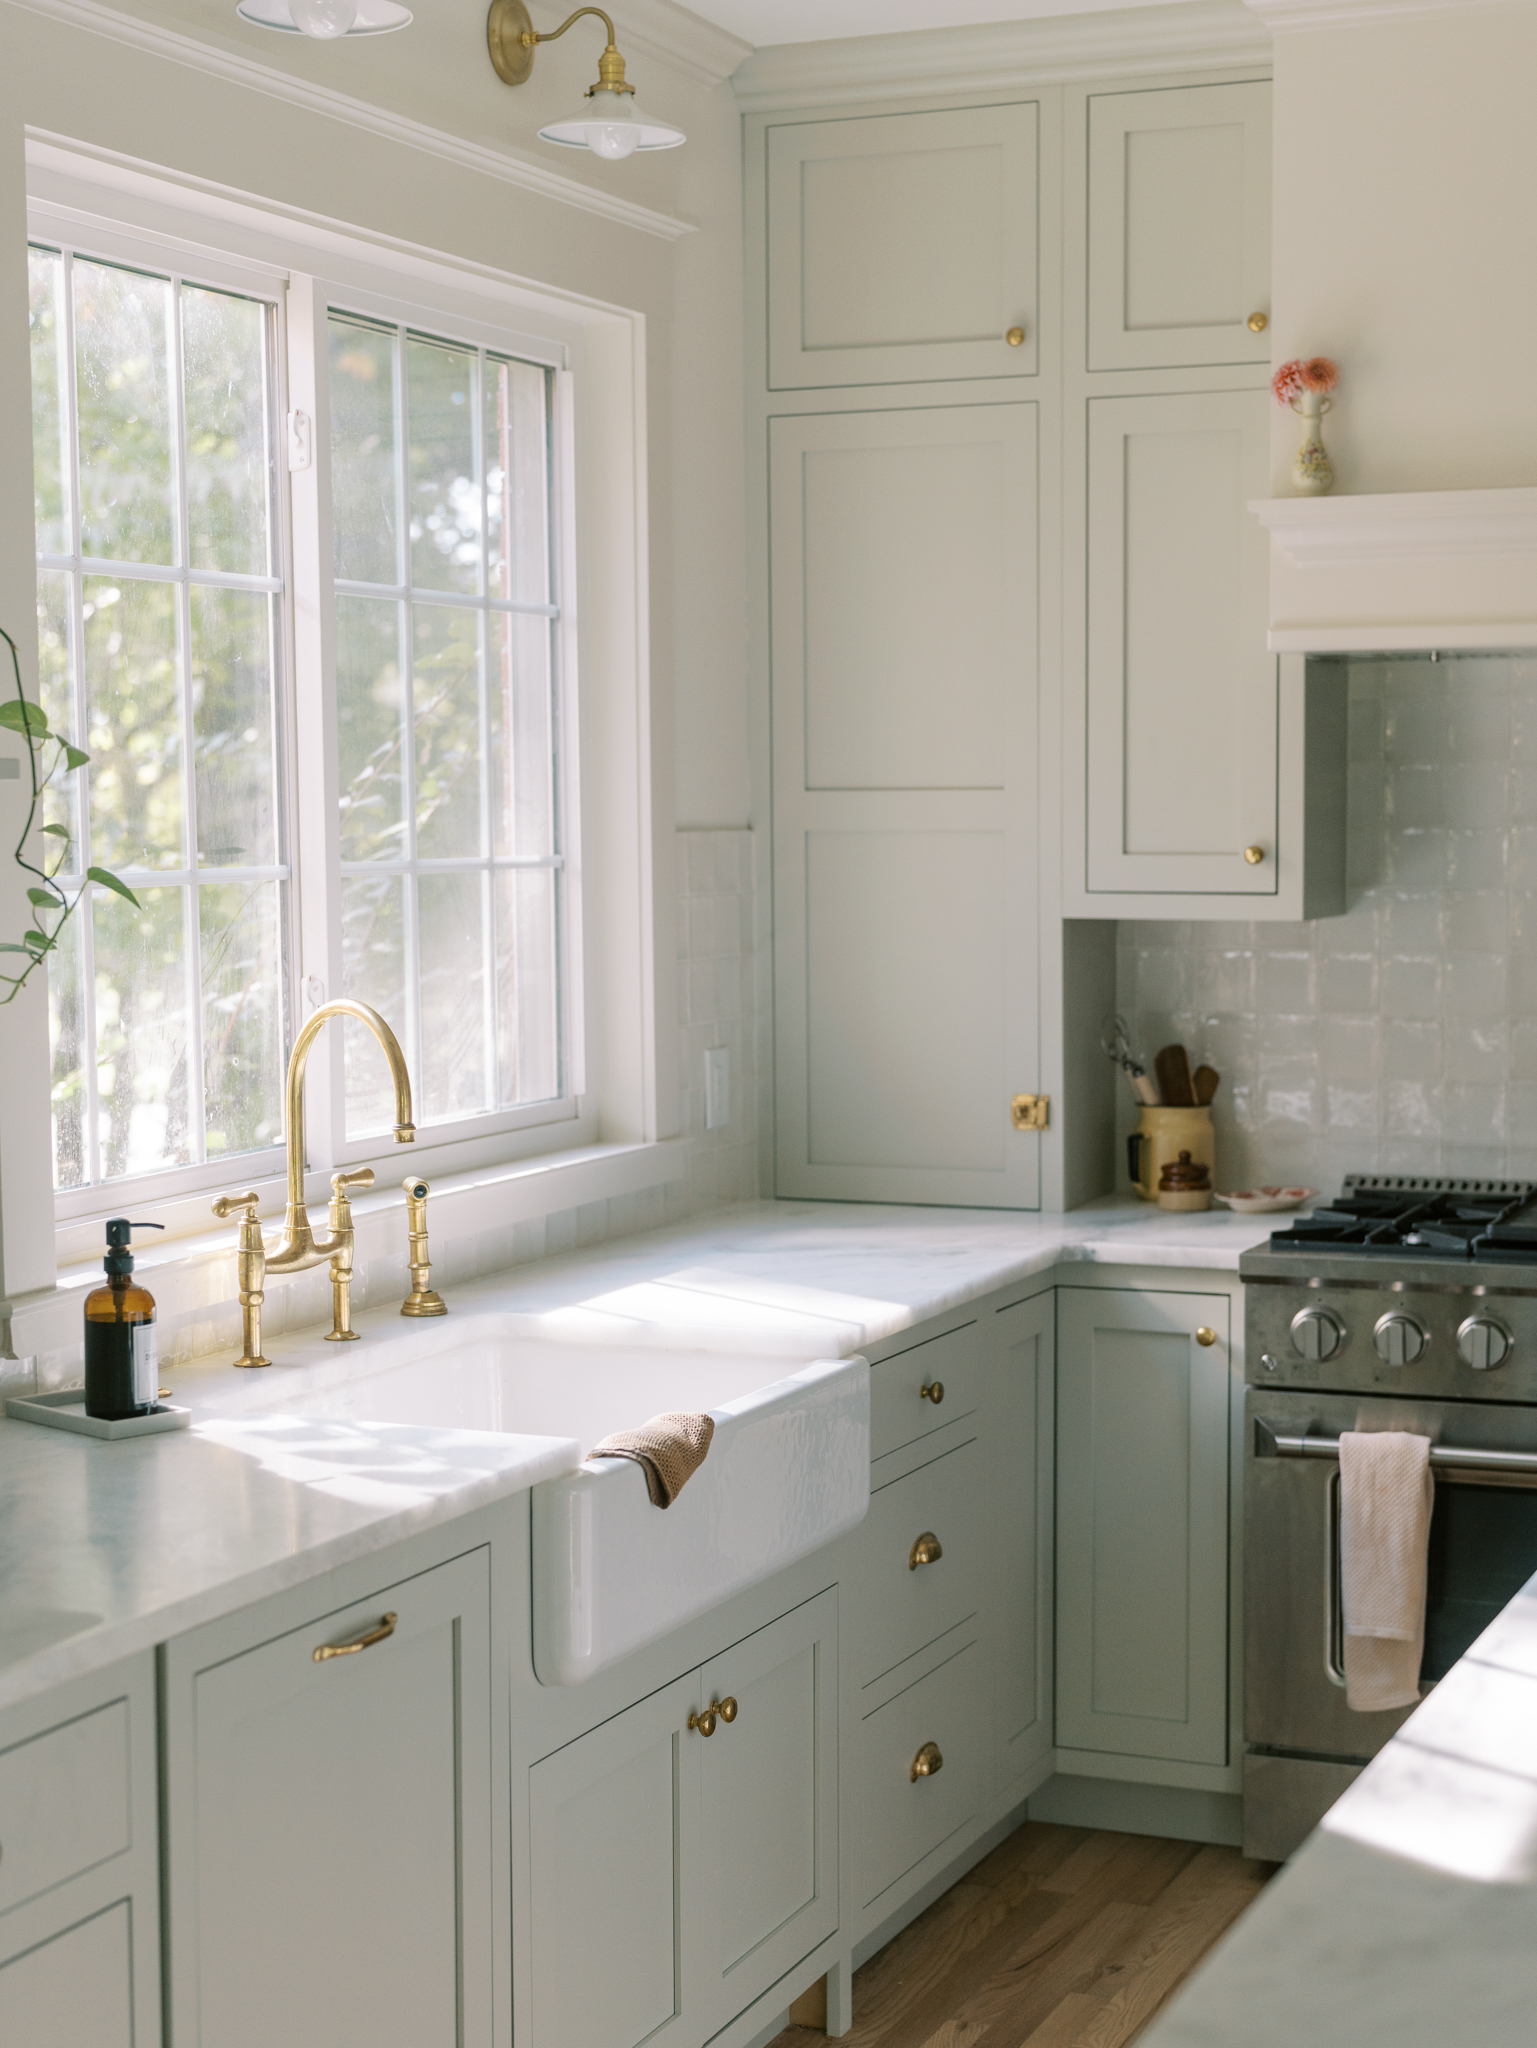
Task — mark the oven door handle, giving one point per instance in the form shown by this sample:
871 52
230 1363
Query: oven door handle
1273 1442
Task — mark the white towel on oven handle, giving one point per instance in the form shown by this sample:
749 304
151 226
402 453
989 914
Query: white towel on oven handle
1386 1498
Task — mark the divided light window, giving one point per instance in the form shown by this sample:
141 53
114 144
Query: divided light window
160 615
445 677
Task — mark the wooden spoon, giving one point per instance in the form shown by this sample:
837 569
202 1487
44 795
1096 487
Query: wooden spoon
1172 1067
1205 1081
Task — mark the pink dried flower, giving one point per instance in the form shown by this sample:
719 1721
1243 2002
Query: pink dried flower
1288 383
1292 379
1319 374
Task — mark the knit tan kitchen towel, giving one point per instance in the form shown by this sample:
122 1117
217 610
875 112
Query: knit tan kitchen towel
669 1449
1386 1498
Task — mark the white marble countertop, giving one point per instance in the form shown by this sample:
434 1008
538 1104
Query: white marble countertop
1410 1917
106 1548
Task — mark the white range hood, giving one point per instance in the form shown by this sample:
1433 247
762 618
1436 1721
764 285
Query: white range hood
1411 570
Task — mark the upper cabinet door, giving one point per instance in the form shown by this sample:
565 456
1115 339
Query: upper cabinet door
1182 696
1179 227
904 681
902 247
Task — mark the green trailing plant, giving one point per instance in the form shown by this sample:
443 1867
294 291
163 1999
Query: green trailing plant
51 907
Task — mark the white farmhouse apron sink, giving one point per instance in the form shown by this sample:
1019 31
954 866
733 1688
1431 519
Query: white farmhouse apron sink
788 1468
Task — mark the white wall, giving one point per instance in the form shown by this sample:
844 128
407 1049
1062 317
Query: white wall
98 89
1405 168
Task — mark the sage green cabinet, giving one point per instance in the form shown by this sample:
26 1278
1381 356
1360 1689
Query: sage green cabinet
1020 1441
1142 1524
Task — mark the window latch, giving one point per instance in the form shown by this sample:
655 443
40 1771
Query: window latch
301 440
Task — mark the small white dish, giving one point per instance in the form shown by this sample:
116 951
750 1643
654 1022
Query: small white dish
1266 1201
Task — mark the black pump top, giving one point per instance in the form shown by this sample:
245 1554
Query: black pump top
119 1259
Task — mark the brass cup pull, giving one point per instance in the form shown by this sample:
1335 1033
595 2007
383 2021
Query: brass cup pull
1205 1337
932 1390
926 1550
384 1630
718 1710
1254 855
1258 322
926 1763
1015 337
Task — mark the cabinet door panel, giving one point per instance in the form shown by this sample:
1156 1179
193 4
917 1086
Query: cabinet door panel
341 1809
1183 697
902 247
1179 226
904 686
1142 1527
768 1808
75 1991
608 1819
1021 1444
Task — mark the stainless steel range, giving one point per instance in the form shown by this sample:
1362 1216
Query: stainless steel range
1407 1303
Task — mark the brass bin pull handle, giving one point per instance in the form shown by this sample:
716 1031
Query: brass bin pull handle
381 1633
932 1390
927 1549
926 1763
718 1710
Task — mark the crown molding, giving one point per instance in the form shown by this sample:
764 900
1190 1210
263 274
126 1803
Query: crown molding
1284 16
236 68
984 58
679 39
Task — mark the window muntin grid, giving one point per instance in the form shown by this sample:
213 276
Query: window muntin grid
447 610
160 635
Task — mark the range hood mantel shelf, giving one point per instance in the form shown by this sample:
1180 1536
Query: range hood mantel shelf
1404 570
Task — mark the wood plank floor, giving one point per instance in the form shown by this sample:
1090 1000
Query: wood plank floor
1061 1938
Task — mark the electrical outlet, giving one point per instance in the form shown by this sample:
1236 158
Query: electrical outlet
717 1087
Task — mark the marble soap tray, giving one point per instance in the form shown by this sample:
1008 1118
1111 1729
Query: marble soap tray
67 1411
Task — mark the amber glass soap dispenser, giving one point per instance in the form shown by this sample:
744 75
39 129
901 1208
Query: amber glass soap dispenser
122 1360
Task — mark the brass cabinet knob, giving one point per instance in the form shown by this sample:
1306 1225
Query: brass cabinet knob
718 1710
927 1549
926 1763
1205 1338
932 1390
1258 322
1254 855
1015 337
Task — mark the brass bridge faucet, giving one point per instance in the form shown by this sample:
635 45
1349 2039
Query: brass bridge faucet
299 1248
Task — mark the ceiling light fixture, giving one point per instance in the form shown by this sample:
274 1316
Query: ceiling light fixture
612 125
325 20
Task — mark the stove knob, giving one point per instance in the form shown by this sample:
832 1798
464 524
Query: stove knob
1483 1343
1399 1339
1316 1333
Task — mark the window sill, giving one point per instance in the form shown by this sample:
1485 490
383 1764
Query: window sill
194 1277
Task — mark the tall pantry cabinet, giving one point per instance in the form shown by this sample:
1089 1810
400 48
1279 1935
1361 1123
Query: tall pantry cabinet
1007 379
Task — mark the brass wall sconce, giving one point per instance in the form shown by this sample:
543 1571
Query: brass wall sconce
613 126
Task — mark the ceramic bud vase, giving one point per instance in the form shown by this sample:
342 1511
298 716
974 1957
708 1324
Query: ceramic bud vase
1312 472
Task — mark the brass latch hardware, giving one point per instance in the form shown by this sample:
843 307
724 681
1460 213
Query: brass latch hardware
925 1763
718 1710
927 1549
1030 1112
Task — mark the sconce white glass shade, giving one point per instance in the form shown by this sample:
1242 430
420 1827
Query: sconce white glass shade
613 126
325 20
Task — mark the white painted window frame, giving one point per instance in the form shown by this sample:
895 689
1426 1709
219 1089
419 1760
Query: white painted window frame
618 992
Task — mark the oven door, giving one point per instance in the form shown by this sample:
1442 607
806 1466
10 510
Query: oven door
1483 1549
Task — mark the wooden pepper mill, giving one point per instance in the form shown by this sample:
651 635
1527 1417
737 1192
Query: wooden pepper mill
1185 1183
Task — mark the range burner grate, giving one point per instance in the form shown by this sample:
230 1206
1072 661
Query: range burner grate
1412 1216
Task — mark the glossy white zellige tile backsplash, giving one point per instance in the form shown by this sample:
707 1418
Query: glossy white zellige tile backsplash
1402 1036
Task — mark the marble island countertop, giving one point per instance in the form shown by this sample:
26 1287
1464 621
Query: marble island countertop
108 1548
1409 1918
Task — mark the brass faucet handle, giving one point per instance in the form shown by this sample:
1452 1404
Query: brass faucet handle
422 1300
228 1205
363 1178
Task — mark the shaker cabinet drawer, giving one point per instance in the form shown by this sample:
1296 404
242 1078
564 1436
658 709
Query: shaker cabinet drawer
63 1803
922 1390
921 1560
905 1816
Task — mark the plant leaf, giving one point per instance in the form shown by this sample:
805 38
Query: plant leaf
7 947
110 881
36 942
23 717
57 831
45 897
74 757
